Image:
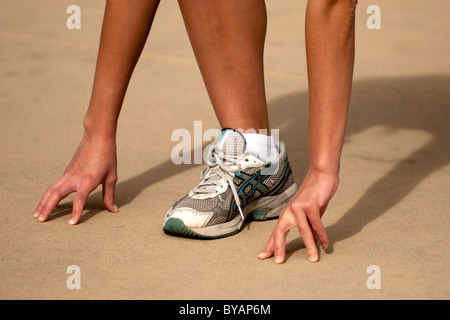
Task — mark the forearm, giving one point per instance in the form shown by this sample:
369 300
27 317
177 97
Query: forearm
330 45
125 29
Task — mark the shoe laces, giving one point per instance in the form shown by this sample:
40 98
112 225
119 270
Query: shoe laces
220 167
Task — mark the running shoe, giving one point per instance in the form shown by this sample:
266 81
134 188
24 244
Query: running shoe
234 185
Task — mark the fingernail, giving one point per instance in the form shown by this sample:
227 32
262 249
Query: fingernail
313 258
278 260
115 209
35 214
71 222
261 256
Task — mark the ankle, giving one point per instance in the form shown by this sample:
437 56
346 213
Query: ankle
262 145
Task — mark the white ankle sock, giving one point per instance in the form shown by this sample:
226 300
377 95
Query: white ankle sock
261 145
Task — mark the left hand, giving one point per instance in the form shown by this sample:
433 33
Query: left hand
304 211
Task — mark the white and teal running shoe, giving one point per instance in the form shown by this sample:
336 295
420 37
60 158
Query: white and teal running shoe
234 185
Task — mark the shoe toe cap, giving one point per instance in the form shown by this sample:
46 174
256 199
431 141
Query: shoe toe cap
190 218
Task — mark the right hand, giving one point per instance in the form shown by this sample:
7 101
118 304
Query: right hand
94 163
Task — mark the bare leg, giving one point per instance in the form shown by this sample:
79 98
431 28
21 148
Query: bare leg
228 41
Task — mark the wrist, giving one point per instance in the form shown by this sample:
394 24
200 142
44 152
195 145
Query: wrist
99 128
330 176
99 131
325 167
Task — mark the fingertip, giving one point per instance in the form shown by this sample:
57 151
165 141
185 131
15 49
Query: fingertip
314 258
279 260
74 218
111 206
263 255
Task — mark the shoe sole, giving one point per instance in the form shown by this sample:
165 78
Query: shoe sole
261 209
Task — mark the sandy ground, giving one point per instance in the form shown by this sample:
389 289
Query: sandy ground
392 208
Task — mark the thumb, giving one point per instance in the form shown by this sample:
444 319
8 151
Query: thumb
109 186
